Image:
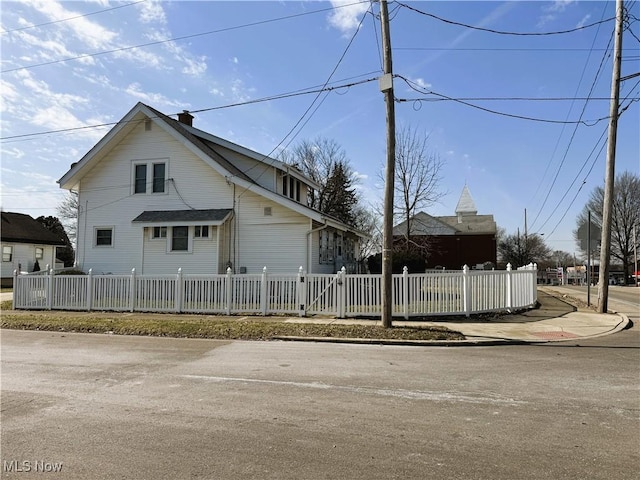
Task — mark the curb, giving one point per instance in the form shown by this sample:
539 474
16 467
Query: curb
479 342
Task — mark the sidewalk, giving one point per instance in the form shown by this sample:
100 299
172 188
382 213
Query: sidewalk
554 320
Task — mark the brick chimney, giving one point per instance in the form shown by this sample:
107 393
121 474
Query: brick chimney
186 118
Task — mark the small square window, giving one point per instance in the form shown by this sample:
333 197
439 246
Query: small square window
159 232
104 237
39 253
201 231
7 253
267 211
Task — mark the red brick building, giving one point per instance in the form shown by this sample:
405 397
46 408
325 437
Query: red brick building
453 241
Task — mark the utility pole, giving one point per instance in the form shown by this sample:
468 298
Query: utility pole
589 259
607 207
386 86
635 255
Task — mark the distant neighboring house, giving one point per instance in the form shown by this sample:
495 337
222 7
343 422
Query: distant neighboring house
24 240
157 194
453 241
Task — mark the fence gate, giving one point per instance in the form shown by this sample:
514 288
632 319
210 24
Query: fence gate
323 294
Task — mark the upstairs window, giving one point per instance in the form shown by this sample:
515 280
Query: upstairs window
158 177
291 187
149 177
7 253
140 182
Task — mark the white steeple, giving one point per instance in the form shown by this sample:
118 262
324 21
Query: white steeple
466 205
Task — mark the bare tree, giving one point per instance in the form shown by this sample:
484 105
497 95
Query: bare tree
519 250
418 176
626 214
317 159
67 211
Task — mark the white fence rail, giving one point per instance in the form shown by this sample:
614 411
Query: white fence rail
462 292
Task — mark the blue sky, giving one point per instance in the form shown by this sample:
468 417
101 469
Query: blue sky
244 51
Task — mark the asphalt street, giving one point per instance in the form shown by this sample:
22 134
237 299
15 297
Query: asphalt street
105 407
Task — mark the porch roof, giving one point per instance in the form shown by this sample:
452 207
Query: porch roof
215 216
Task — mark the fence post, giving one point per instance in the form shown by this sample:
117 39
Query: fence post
50 291
302 292
132 290
90 290
178 298
228 291
509 286
263 292
534 279
405 292
16 289
342 289
466 290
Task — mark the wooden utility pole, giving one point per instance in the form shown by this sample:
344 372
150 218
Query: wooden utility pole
607 207
386 86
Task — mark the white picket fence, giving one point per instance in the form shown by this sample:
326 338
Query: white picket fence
462 292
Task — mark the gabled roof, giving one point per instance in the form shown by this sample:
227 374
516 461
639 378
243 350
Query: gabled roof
203 145
21 228
424 224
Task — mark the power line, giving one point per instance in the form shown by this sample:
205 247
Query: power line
344 53
584 107
183 37
70 18
502 32
220 107
417 88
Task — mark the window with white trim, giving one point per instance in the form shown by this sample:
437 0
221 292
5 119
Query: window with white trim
39 253
180 239
149 177
201 231
103 237
159 232
7 253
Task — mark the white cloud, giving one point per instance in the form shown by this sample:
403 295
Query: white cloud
196 68
90 33
154 99
345 17
584 21
235 60
550 12
420 82
152 12
12 152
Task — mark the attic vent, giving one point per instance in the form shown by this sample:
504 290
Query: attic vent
267 211
147 125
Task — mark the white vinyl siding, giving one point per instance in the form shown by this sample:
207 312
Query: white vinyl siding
106 193
278 242
201 258
23 257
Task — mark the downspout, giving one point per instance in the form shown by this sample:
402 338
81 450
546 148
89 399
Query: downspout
310 244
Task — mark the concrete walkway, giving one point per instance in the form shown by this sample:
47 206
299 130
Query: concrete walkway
554 320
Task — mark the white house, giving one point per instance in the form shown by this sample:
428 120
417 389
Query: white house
24 241
157 194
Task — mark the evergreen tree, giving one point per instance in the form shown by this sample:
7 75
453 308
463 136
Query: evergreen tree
340 198
53 225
